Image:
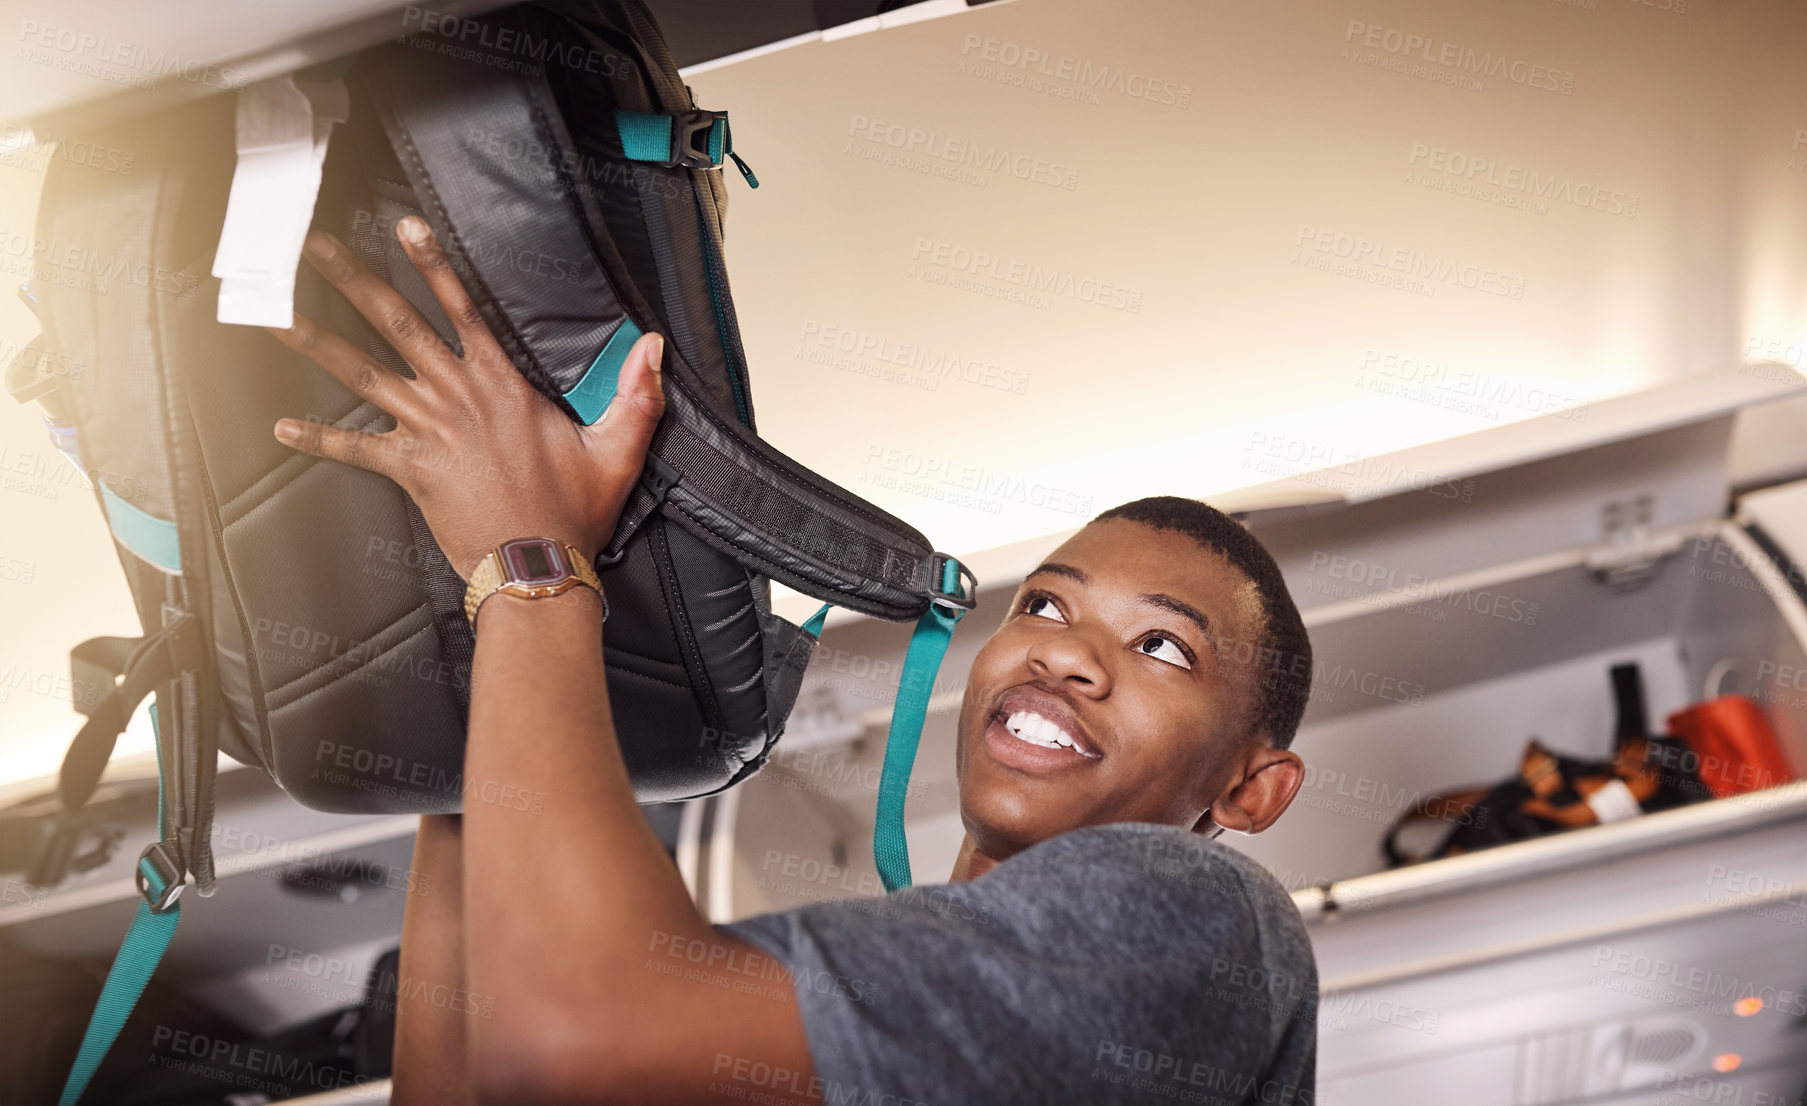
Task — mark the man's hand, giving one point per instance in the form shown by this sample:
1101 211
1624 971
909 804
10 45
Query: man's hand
563 900
485 456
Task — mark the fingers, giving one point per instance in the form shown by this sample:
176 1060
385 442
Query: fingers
353 367
393 316
371 452
423 249
638 404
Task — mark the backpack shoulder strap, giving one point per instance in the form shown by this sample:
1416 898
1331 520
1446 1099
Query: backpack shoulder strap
136 437
709 473
118 672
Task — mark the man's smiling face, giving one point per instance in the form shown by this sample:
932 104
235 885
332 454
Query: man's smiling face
1110 693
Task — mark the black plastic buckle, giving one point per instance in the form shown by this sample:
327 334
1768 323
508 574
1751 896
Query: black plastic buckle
157 856
685 154
657 478
966 598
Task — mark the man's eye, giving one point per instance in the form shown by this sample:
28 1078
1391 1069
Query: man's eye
1165 649
1042 607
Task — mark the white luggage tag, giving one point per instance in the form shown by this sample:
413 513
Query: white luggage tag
282 134
1614 802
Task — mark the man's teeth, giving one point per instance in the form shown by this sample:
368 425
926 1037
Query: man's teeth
1036 730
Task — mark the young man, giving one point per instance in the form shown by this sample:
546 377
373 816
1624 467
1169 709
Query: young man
1092 945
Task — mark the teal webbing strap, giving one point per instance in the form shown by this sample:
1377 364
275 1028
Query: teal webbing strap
151 538
745 169
813 627
928 644
590 396
133 967
648 137
138 957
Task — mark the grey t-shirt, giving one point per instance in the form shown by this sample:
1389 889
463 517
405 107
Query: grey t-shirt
1112 964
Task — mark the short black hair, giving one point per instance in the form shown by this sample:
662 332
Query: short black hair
1281 659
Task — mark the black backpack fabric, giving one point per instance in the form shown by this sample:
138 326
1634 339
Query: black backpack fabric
298 613
1552 791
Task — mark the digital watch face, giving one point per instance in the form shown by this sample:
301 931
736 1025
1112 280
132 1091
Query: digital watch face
534 561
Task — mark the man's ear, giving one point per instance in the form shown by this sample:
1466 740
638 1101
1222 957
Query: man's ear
1270 780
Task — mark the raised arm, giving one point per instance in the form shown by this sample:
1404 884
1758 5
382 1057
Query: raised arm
576 937
430 1044
572 907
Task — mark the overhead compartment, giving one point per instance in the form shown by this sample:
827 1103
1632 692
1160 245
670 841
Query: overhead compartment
1461 598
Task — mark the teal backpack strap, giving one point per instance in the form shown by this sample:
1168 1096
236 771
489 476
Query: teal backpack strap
692 140
813 627
591 395
928 644
160 881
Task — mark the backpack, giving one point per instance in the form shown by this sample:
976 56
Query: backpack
298 613
1722 746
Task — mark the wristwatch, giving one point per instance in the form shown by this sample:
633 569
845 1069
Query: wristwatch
533 568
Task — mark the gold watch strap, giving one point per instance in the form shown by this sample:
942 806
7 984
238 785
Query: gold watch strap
488 578
583 570
485 579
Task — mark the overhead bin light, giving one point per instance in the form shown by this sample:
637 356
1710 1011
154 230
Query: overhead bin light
708 34
702 34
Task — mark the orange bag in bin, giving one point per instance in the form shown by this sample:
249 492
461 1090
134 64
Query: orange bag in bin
1737 748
